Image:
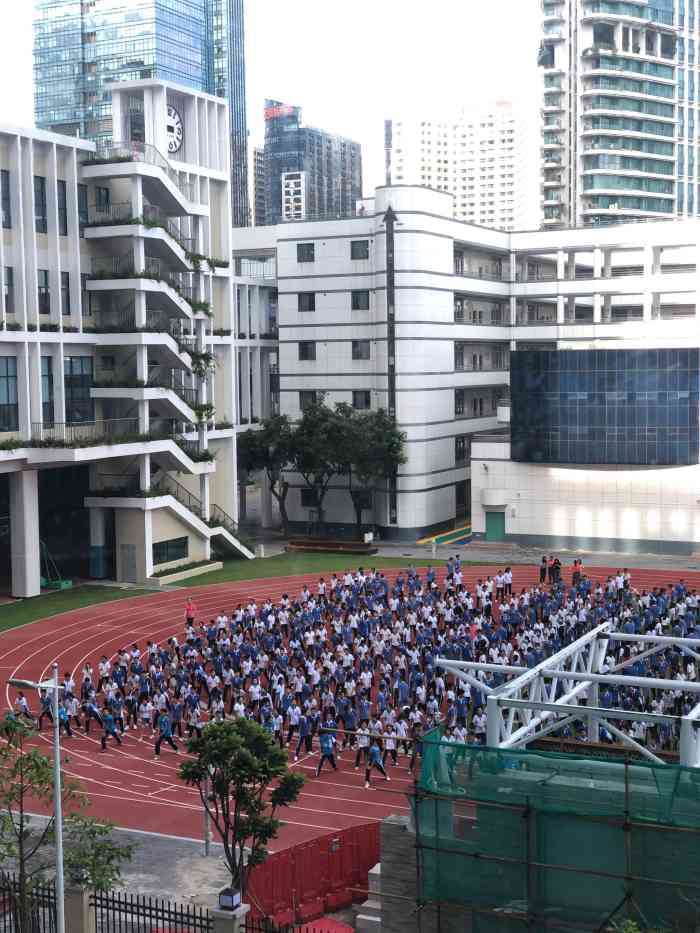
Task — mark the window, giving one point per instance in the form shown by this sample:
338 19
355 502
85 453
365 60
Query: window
47 390
307 350
103 200
85 295
461 449
305 252
459 402
359 249
44 291
39 204
82 206
306 301
9 290
174 549
62 208
309 499
9 418
360 349
65 293
5 198
360 300
78 381
307 397
361 399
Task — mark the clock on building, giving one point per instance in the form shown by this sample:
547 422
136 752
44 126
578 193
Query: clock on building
174 130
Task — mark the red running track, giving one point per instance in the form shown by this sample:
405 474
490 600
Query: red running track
129 787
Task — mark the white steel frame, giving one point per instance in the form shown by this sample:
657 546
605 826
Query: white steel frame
526 707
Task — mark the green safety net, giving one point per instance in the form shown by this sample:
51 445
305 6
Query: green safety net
568 840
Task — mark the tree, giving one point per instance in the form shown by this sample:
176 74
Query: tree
26 842
243 779
375 451
271 449
321 449
92 857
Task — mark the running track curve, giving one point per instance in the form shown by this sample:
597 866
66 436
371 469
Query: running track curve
129 787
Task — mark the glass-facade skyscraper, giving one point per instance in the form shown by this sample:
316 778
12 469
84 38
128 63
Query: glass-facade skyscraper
81 45
308 172
619 134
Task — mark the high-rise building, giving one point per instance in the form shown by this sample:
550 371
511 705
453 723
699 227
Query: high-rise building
259 185
81 45
330 168
226 78
487 158
619 110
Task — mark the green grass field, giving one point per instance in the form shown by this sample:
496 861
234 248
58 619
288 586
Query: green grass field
29 610
284 565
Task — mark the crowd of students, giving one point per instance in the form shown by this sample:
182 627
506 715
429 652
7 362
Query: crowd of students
348 666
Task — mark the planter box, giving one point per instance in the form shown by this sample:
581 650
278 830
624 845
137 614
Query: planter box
178 575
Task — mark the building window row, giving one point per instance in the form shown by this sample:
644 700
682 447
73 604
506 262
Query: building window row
361 399
307 350
40 203
359 249
470 403
359 301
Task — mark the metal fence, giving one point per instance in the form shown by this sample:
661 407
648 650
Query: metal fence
40 914
120 912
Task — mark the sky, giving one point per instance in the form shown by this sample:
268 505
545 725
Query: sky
352 63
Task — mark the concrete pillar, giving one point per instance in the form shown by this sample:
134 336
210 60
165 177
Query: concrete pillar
265 384
561 264
597 262
241 501
140 309
607 263
80 916
256 401
571 309
597 308
513 310
145 471
647 305
136 197
245 384
139 254
25 548
230 921
204 495
35 399
98 568
142 375
571 265
560 309
512 267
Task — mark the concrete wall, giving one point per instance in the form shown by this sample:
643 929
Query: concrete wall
400 907
623 509
167 526
133 529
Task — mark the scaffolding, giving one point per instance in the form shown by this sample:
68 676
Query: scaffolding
528 840
564 689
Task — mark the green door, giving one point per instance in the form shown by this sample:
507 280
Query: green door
495 526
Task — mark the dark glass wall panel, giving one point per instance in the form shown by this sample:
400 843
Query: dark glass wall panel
635 407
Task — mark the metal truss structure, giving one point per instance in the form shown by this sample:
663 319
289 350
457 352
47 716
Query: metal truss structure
564 689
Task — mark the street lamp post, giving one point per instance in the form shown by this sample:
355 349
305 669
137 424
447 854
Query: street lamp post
55 687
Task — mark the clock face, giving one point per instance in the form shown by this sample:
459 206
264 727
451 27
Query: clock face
174 130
